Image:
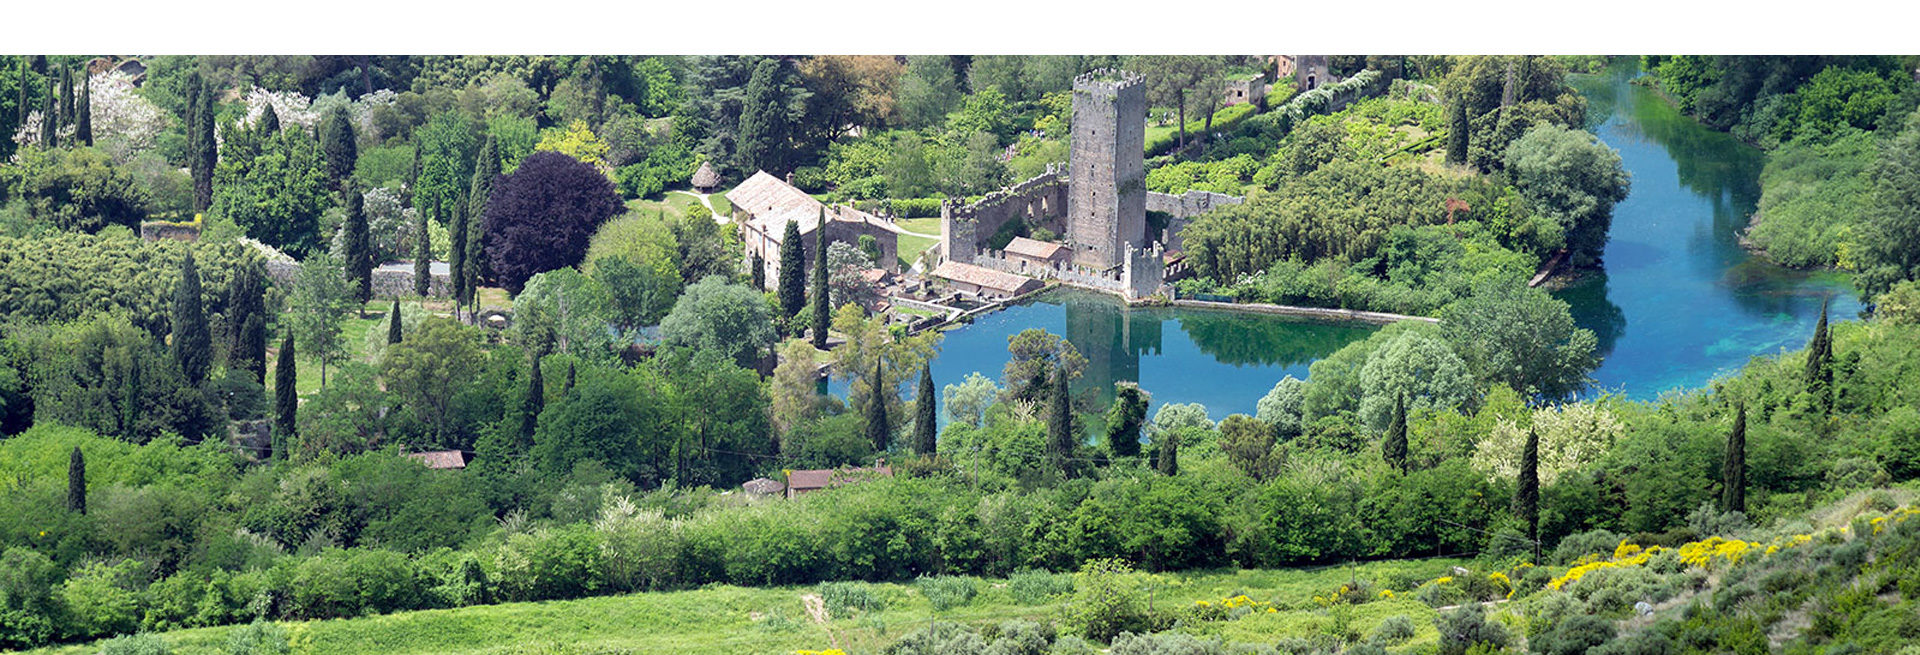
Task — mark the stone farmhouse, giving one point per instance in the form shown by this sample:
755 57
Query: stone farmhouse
764 204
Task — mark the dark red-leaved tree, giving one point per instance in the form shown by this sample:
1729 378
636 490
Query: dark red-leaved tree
540 217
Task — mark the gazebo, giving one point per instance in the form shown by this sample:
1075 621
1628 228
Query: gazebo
704 180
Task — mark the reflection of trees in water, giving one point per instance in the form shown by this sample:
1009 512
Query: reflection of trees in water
1709 163
1591 309
1765 291
1266 340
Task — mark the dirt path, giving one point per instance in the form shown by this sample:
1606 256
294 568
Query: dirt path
816 608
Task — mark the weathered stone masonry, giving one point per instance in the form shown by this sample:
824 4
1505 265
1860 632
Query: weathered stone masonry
1041 201
1107 202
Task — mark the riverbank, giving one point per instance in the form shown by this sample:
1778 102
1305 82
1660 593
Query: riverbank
1314 313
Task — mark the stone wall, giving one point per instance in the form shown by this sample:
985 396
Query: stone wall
387 283
156 230
1182 208
1141 274
1106 201
1041 201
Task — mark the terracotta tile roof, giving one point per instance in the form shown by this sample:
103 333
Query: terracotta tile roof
873 275
986 278
442 459
1026 247
773 202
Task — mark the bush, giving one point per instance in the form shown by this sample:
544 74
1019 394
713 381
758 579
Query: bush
1030 587
140 644
842 598
1166 643
1108 600
1575 635
947 591
1394 630
1467 628
258 638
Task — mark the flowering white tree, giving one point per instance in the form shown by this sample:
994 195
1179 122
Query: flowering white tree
1570 436
125 123
292 108
391 225
359 110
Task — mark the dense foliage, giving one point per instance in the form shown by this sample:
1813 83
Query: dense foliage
540 216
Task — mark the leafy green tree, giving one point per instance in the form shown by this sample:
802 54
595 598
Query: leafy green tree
1890 240
968 401
1572 178
640 295
822 303
77 482
879 427
286 398
359 251
1510 334
317 307
1733 473
1526 495
274 186
1414 365
793 295
203 151
727 318
1283 407
562 311
617 418
427 372
1250 446
1458 132
192 339
1037 355
1166 453
422 258
924 414
76 189
1125 418
768 113
532 403
1171 79
1394 448
928 91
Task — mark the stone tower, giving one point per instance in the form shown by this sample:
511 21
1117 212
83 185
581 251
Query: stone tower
1107 173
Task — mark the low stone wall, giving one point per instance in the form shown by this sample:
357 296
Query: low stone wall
1042 198
1189 204
156 230
387 283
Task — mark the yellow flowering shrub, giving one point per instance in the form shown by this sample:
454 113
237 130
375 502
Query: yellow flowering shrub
1703 553
830 651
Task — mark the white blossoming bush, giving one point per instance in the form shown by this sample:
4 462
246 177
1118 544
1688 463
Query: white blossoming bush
359 110
292 108
1570 436
29 134
125 123
390 227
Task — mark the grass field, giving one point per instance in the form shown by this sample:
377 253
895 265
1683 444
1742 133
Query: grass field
921 225
723 620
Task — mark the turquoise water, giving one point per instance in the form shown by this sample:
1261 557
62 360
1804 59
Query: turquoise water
1678 304
1224 360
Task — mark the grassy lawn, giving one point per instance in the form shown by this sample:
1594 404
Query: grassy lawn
911 246
720 204
922 225
353 332
723 619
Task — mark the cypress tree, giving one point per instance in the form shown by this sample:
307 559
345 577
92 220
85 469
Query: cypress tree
457 256
531 406
49 128
1167 454
486 167
77 482
359 247
206 150
192 341
393 323
269 120
66 95
822 304
246 305
879 427
423 257
1526 498
1733 474
413 175
340 145
1820 363
1458 129
759 272
925 441
1060 432
20 96
792 269
285 396
1129 410
83 114
568 389
1394 448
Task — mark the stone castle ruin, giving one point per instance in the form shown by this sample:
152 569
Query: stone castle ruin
1098 204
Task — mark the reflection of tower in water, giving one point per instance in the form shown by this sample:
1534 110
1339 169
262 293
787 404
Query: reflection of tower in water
1113 339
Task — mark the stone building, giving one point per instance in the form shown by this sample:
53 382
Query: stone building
985 282
1107 173
1311 72
1251 87
1038 254
763 204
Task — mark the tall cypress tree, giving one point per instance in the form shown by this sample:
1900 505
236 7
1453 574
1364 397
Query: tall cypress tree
759 272
822 305
83 114
77 482
1060 432
192 341
66 96
269 120
393 324
206 151
246 308
879 427
531 405
359 244
286 399
1526 498
1394 448
925 439
340 145
457 257
1820 363
793 285
413 176
1458 130
1167 453
20 96
486 167
1733 473
423 257
49 126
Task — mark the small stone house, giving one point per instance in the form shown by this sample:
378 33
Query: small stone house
764 204
985 282
1248 88
1028 253
441 459
804 482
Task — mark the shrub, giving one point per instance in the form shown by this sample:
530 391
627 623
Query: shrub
1108 600
140 644
1030 587
1394 630
842 598
1466 628
1573 636
258 638
947 591
1167 643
